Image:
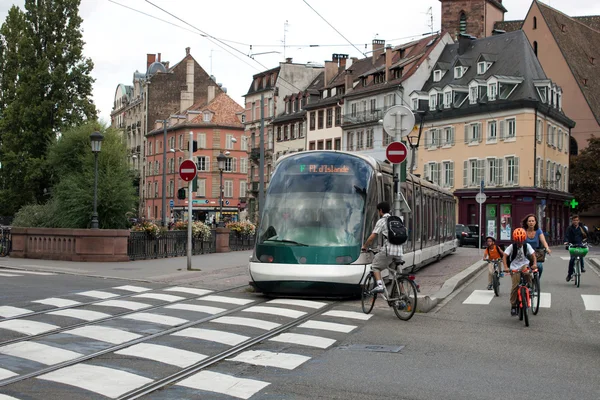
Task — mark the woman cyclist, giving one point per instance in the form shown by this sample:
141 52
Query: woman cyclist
535 237
519 255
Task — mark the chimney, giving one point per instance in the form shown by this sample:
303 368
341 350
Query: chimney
158 57
388 63
288 60
331 69
166 64
187 51
340 59
186 99
348 80
150 58
211 93
464 41
378 45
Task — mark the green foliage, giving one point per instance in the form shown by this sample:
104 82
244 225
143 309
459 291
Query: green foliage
584 173
34 215
45 88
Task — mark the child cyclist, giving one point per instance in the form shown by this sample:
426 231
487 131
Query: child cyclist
492 253
521 256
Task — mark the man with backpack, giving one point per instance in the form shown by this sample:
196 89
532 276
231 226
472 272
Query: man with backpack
576 235
518 256
392 234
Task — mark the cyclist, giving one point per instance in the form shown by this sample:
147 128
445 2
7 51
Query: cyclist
492 252
575 235
521 256
535 237
387 252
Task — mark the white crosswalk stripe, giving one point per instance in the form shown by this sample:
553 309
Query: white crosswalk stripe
23 272
591 302
480 297
104 334
209 381
305 340
270 359
163 354
27 327
6 397
39 352
9 311
56 302
5 374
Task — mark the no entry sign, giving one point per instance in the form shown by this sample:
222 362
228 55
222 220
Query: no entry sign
396 152
187 170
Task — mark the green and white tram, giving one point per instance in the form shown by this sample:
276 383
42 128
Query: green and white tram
321 206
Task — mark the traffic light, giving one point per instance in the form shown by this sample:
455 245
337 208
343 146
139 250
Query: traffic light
194 146
181 194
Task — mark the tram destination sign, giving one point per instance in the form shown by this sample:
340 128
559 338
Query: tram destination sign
324 169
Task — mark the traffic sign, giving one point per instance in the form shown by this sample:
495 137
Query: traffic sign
482 185
481 198
396 152
171 203
398 120
187 170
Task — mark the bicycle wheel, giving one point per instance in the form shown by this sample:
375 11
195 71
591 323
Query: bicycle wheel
403 298
525 305
577 272
535 294
496 283
366 297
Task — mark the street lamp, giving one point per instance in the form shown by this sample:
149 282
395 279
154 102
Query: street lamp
221 159
96 139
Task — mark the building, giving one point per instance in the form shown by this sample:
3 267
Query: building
217 128
493 116
272 86
474 17
159 92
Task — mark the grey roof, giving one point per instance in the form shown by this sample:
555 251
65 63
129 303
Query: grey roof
514 59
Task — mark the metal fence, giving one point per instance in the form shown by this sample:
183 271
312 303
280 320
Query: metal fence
241 242
143 246
5 241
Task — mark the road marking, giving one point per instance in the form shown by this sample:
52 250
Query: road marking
197 308
228 300
255 323
9 311
231 339
157 296
284 312
225 384
56 302
567 258
545 300
9 275
5 374
85 315
39 352
348 314
305 340
130 288
480 297
197 292
156 319
97 294
27 327
129 305
327 326
163 354
591 302
104 334
295 302
20 271
104 381
270 359
5 397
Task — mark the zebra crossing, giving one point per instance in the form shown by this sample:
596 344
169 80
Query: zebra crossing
486 297
143 346
16 273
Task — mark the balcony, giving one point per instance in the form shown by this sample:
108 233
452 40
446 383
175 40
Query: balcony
362 117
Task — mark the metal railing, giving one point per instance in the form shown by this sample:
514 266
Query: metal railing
5 241
143 246
241 242
362 117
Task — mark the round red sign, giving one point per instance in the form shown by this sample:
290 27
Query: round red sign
187 170
396 152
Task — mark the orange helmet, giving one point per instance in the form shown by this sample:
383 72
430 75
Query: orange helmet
519 235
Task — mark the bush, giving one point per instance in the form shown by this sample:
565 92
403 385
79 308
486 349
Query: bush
243 228
146 226
33 216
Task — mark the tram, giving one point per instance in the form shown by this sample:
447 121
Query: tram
320 207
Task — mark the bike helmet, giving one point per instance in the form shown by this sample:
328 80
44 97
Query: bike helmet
519 235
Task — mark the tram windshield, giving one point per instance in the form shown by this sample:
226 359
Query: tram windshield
316 199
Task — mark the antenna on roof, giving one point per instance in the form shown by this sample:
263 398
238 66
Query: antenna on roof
430 14
285 29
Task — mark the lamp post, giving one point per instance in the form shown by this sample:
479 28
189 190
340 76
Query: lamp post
96 139
221 159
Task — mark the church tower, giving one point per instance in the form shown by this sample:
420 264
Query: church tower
472 17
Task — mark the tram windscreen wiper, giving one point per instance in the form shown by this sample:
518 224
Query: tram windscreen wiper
286 241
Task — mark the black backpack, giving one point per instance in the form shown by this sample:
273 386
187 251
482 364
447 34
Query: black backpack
397 233
514 252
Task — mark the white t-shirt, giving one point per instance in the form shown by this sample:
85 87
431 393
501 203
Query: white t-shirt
520 260
382 232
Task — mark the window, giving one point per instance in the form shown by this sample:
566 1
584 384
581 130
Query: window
156 167
369 138
458 72
285 133
481 67
278 133
155 189
338 116
389 100
353 110
512 170
243 188
449 136
338 144
231 164
448 174
432 172
473 94
432 101
293 131
149 148
201 138
492 91
202 163
473 132
437 75
228 142
300 129
207 117
448 99
373 105
415 104
535 48
350 142
328 144
512 128
244 166
321 115
432 139
359 140
311 146
201 192
320 145
491 131
534 22
538 130
228 188
492 172
312 120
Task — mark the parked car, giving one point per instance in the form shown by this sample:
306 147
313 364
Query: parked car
475 230
465 236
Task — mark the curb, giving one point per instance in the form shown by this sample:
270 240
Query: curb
427 302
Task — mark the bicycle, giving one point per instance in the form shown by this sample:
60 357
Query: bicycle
403 294
579 251
497 274
524 295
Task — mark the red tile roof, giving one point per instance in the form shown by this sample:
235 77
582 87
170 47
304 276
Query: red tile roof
225 112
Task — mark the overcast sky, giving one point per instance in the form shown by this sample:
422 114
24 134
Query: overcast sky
118 39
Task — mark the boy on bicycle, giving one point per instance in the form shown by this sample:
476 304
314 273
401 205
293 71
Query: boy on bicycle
387 252
521 256
492 253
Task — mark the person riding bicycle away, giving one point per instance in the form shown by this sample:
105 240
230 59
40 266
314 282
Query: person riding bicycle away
576 235
521 255
535 237
492 253
387 252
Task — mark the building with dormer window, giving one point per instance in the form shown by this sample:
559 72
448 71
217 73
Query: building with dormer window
498 122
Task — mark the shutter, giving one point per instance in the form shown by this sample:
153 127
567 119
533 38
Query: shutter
437 173
452 136
480 132
207 163
502 128
466 133
234 164
548 135
427 139
439 132
500 171
480 170
465 174
452 174
516 171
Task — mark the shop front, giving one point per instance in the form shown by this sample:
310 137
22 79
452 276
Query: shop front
504 210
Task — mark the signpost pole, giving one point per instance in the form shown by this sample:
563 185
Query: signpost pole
189 238
480 208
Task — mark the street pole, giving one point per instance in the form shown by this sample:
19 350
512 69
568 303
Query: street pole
221 199
189 238
261 164
480 208
164 175
94 224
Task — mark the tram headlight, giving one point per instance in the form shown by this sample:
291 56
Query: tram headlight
266 258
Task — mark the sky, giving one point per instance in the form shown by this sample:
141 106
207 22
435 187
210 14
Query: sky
119 33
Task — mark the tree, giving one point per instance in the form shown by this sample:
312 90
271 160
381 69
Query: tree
71 161
585 170
46 88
